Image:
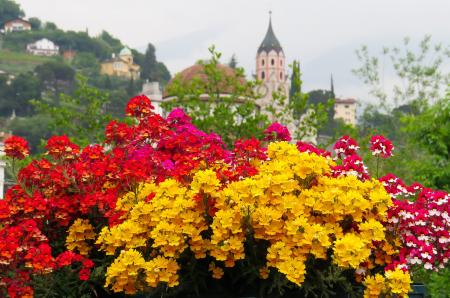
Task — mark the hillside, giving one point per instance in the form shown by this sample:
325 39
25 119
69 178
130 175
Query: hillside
16 62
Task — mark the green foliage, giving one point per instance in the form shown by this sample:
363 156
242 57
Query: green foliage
15 97
34 129
431 131
86 64
439 285
298 112
9 10
49 73
80 116
66 40
418 75
16 62
414 115
115 44
220 102
151 69
35 23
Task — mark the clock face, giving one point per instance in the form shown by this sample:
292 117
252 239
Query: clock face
262 90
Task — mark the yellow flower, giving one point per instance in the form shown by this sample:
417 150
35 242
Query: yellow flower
350 251
217 272
372 229
399 282
161 269
264 273
79 232
375 286
123 274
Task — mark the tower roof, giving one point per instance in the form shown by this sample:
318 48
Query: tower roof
125 52
270 41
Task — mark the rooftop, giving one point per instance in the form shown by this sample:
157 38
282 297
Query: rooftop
270 41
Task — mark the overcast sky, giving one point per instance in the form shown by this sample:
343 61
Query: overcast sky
322 34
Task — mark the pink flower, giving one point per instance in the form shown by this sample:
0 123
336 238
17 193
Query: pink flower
277 132
310 148
380 146
345 146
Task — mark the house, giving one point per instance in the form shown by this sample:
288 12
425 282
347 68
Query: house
16 25
121 65
43 47
69 55
345 109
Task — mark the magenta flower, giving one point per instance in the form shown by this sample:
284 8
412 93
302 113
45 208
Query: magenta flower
380 146
277 132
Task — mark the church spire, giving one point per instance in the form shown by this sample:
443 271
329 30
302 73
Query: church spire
332 86
270 41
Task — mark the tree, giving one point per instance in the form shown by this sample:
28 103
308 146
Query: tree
16 97
431 131
233 116
419 78
55 76
81 116
302 117
9 10
115 44
131 89
87 64
164 74
149 69
50 26
35 23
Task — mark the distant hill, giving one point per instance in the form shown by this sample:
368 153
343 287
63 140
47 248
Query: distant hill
16 62
13 45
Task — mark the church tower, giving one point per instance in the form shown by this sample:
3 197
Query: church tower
271 66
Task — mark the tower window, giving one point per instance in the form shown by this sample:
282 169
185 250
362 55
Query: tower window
263 75
262 62
281 75
281 62
272 62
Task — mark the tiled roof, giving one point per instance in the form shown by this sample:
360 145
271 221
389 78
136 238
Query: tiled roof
345 101
197 72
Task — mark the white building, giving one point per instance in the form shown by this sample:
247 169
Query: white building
345 109
43 47
153 91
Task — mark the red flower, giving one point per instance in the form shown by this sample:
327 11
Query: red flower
310 148
60 147
380 146
345 146
16 147
139 106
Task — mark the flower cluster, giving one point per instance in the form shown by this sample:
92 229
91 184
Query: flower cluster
160 195
424 228
396 282
380 146
277 132
292 205
16 147
351 163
